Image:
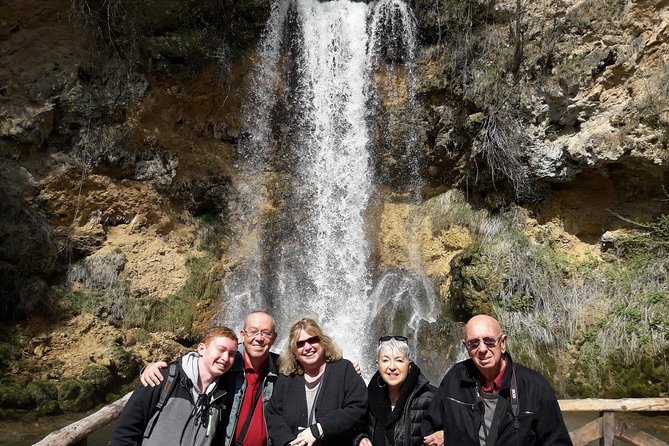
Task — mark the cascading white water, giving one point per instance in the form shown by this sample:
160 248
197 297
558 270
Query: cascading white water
308 118
334 168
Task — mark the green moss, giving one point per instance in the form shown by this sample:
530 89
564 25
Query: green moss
99 376
14 396
473 282
75 395
124 365
176 313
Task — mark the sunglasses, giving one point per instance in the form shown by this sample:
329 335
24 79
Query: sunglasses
312 340
397 338
473 344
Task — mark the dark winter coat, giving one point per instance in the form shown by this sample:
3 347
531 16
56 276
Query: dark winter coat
458 411
408 427
341 406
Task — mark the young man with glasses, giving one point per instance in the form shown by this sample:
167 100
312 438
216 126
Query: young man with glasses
488 400
251 379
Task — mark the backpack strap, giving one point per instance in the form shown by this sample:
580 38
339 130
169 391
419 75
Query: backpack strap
165 393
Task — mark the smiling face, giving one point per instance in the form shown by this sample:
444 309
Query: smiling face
258 336
488 359
309 352
393 367
216 356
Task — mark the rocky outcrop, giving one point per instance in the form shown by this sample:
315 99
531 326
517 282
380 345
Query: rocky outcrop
118 152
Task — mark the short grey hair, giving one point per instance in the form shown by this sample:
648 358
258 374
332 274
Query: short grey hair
394 346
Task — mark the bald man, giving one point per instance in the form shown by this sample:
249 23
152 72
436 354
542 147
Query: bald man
489 400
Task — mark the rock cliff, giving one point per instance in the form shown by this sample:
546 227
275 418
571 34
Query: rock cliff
118 133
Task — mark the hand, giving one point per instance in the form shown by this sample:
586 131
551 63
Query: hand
365 442
151 375
356 367
435 439
305 438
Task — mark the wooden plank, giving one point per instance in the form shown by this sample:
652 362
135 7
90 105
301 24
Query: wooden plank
624 404
79 430
634 436
608 434
585 435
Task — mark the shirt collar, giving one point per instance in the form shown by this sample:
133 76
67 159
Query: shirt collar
497 382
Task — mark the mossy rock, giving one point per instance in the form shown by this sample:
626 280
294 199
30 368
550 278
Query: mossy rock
14 396
99 376
75 395
43 392
473 282
124 364
48 408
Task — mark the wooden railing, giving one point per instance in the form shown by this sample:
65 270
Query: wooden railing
77 433
605 428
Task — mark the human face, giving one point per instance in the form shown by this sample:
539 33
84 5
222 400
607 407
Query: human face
256 344
487 359
310 354
393 367
217 356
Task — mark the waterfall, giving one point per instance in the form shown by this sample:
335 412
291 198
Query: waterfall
306 174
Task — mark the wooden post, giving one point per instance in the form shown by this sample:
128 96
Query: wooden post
608 432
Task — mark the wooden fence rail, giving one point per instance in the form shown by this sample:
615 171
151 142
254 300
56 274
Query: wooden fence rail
605 428
77 433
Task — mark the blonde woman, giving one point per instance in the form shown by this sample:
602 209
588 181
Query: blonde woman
319 398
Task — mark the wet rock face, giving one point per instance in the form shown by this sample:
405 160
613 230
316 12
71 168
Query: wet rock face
29 248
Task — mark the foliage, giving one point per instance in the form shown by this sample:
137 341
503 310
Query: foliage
482 60
212 230
177 312
595 15
650 239
107 294
609 318
185 34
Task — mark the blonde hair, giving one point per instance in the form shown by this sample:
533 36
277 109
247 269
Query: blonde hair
289 364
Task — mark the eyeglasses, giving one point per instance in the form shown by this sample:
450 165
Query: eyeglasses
312 340
253 333
473 344
397 338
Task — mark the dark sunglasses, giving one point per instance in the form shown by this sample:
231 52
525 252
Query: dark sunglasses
312 340
397 338
473 344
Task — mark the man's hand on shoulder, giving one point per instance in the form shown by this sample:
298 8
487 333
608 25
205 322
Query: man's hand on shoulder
357 368
151 375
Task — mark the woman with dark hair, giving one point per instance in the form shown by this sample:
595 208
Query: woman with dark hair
318 397
399 397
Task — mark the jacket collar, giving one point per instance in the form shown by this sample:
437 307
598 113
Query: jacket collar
470 374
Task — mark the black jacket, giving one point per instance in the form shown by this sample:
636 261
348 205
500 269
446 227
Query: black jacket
410 428
457 410
182 421
341 407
